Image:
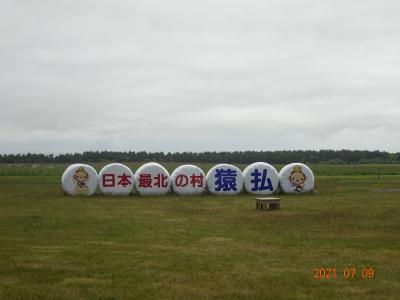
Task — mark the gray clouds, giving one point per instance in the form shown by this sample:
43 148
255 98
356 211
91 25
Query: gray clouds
199 75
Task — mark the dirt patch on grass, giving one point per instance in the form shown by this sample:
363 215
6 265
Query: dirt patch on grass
389 190
84 281
48 249
215 239
8 280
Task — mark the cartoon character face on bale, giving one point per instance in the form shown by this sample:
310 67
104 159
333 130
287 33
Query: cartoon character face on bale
81 177
297 178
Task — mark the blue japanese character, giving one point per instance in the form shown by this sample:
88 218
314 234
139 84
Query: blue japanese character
261 184
225 180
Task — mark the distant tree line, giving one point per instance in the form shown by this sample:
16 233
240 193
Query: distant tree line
274 157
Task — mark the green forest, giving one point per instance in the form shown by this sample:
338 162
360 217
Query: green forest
274 157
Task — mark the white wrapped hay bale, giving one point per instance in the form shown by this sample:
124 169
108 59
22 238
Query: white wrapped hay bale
296 178
188 180
80 179
260 178
152 179
224 179
116 180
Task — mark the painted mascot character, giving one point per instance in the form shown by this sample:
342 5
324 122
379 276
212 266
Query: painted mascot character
297 179
81 177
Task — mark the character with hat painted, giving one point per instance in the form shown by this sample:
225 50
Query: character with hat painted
297 178
80 178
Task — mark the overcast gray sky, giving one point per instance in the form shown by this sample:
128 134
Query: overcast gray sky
199 75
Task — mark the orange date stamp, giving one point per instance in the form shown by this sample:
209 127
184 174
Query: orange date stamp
346 273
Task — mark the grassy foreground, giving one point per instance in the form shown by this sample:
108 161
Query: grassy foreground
56 247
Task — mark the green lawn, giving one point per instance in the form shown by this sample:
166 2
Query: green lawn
57 247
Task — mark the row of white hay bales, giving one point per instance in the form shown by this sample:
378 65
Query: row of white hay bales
152 179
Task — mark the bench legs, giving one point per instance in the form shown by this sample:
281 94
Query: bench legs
267 206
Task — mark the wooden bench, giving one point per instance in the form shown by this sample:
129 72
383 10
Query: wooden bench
268 203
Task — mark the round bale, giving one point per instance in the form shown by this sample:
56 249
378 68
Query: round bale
260 178
116 180
296 178
188 180
224 179
80 180
152 179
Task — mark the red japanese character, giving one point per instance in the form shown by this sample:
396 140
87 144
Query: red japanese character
145 180
108 180
161 180
196 179
124 180
181 180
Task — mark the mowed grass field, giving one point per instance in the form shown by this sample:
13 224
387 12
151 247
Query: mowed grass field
56 247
